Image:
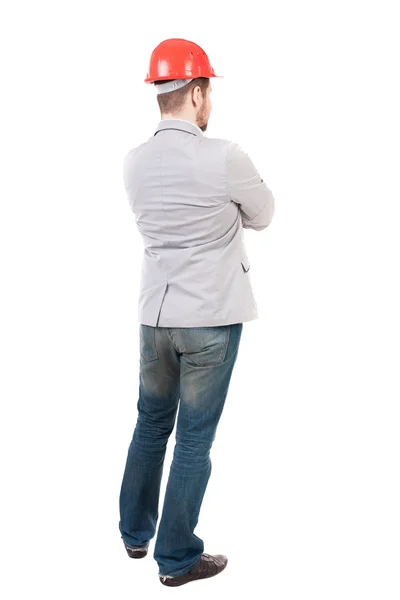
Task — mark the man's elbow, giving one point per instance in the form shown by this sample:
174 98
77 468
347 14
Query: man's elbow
263 218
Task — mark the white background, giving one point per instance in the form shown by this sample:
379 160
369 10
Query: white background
304 496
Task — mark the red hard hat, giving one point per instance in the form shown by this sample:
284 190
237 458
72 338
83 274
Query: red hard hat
177 58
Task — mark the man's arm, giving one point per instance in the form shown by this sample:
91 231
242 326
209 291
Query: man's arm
248 190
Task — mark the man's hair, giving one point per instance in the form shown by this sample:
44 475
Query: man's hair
173 102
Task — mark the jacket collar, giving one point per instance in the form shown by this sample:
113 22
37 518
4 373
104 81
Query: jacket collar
180 124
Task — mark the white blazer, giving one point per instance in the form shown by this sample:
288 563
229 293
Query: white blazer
192 196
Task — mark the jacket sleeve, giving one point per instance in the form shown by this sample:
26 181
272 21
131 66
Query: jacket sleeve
246 188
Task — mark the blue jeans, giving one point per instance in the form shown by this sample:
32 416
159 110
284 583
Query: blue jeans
193 365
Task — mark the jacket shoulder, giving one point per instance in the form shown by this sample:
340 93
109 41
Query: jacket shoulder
218 142
230 148
134 152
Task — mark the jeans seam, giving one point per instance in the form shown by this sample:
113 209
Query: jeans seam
171 339
227 343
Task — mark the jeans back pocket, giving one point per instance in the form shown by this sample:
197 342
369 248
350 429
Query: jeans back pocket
148 348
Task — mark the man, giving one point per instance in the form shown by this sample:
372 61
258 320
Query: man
192 197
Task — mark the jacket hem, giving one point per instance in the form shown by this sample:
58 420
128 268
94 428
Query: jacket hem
204 322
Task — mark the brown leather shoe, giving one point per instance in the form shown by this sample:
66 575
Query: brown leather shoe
207 567
136 552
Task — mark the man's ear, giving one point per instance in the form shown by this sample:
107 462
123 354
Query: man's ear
192 92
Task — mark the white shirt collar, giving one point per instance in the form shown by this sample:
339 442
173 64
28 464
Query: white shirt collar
184 121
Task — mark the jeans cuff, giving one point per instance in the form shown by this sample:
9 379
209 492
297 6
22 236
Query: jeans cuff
182 571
